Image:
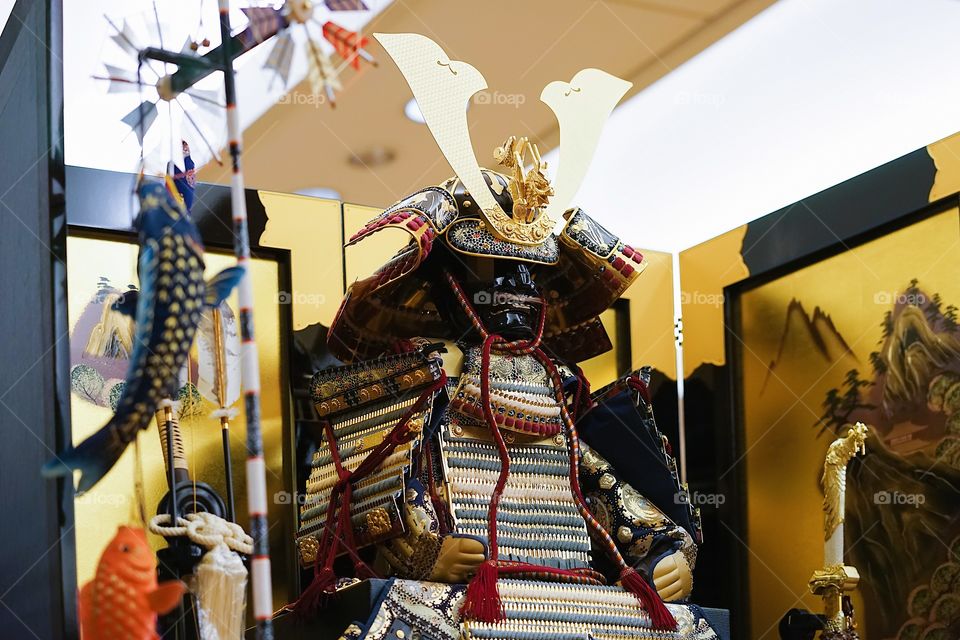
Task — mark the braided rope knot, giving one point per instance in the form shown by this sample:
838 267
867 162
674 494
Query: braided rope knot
205 529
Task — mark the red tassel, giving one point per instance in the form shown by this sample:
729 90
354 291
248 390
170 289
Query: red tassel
660 616
317 595
482 602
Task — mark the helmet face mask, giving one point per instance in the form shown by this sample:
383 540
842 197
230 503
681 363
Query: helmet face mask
510 303
502 292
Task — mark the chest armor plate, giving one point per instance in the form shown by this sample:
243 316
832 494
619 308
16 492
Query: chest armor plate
537 518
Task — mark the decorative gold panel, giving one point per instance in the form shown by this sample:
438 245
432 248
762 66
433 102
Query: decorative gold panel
812 342
946 157
650 313
704 271
602 369
652 340
362 259
311 229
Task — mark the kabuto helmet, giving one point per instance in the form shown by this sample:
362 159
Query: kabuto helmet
481 215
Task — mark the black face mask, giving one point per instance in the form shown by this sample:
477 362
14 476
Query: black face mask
510 305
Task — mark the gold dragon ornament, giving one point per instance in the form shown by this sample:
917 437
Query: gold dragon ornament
836 578
531 190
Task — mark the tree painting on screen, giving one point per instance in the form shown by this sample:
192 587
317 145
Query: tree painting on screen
908 555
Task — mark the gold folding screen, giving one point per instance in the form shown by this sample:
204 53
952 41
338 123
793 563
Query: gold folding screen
810 333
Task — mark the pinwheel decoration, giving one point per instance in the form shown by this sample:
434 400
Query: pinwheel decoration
162 119
322 72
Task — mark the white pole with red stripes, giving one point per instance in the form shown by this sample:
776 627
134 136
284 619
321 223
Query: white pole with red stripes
250 368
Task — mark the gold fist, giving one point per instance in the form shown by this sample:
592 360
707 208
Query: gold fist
672 577
458 559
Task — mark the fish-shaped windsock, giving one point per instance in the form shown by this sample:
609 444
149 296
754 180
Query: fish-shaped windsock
167 310
123 599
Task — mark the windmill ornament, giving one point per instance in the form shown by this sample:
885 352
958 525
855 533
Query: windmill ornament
160 118
176 98
322 73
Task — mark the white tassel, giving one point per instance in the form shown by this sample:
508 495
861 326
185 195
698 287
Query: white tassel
221 589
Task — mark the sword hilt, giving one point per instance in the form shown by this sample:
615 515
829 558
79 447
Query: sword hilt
168 425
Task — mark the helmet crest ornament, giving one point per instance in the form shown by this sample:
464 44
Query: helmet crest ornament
443 89
531 189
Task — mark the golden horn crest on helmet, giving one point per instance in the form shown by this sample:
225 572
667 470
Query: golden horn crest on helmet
443 89
582 106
